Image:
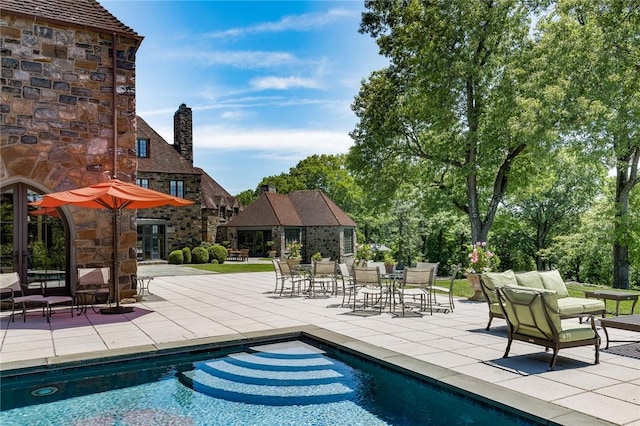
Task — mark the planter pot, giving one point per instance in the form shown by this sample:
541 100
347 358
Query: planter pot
272 254
388 268
474 283
294 262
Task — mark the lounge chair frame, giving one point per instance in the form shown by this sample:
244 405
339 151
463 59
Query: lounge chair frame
552 337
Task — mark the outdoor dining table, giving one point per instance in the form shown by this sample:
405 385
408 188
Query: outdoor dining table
391 280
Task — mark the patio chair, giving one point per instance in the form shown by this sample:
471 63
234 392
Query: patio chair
14 292
92 287
533 316
276 267
368 284
13 283
446 290
323 275
289 275
429 265
416 283
244 255
380 265
348 285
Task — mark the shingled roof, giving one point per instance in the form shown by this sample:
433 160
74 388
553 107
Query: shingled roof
80 13
214 195
163 157
299 208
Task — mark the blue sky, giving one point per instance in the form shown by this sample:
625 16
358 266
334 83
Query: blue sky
270 82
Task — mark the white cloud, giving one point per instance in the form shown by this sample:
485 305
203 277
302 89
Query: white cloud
244 59
301 23
274 143
298 143
283 83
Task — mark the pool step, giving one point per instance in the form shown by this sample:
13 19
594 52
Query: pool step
274 375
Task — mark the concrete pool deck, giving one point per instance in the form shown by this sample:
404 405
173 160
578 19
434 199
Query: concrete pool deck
197 308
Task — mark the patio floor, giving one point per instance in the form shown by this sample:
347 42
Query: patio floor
229 306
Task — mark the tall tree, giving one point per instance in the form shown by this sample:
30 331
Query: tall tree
456 105
550 203
600 40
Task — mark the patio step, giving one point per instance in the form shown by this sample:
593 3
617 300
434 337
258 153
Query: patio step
272 377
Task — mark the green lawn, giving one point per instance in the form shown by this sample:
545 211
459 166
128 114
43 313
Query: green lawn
577 290
231 268
461 288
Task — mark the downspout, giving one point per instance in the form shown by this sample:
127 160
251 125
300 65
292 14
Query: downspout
115 109
115 213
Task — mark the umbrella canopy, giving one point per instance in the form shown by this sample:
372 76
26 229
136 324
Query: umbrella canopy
47 211
114 195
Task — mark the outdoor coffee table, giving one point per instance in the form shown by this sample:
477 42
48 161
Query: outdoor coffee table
613 295
625 322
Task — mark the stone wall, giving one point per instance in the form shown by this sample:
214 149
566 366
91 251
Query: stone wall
57 123
323 239
184 224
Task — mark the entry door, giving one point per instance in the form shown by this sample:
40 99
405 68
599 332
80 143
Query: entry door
151 242
31 243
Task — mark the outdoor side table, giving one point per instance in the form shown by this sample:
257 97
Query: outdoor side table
625 322
613 295
143 285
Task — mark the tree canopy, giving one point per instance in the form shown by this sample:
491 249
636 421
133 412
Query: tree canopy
457 101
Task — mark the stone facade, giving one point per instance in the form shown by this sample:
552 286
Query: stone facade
184 225
324 239
57 123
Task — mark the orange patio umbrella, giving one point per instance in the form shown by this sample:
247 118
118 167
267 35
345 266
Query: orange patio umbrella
48 211
114 195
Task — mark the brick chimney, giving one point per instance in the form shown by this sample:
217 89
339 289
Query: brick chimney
267 188
183 132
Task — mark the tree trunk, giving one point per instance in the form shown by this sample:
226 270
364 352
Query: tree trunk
620 231
620 266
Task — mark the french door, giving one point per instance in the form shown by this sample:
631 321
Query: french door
33 242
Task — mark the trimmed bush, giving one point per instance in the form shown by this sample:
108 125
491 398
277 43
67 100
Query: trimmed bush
200 255
218 253
176 257
187 254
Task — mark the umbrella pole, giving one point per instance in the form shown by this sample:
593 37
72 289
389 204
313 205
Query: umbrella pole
116 281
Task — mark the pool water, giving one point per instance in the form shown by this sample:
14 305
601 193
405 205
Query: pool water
286 383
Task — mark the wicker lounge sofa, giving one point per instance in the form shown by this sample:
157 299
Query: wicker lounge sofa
542 280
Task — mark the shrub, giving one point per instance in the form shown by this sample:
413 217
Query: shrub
186 251
217 253
176 257
200 255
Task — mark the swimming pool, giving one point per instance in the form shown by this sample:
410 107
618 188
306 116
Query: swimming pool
280 383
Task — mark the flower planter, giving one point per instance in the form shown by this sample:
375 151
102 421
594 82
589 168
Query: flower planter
474 283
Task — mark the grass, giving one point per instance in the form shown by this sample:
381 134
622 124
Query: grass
461 288
577 290
231 268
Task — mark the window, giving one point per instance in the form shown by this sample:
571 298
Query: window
347 243
291 234
143 183
142 148
176 188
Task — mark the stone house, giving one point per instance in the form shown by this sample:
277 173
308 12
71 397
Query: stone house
169 168
67 120
309 217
